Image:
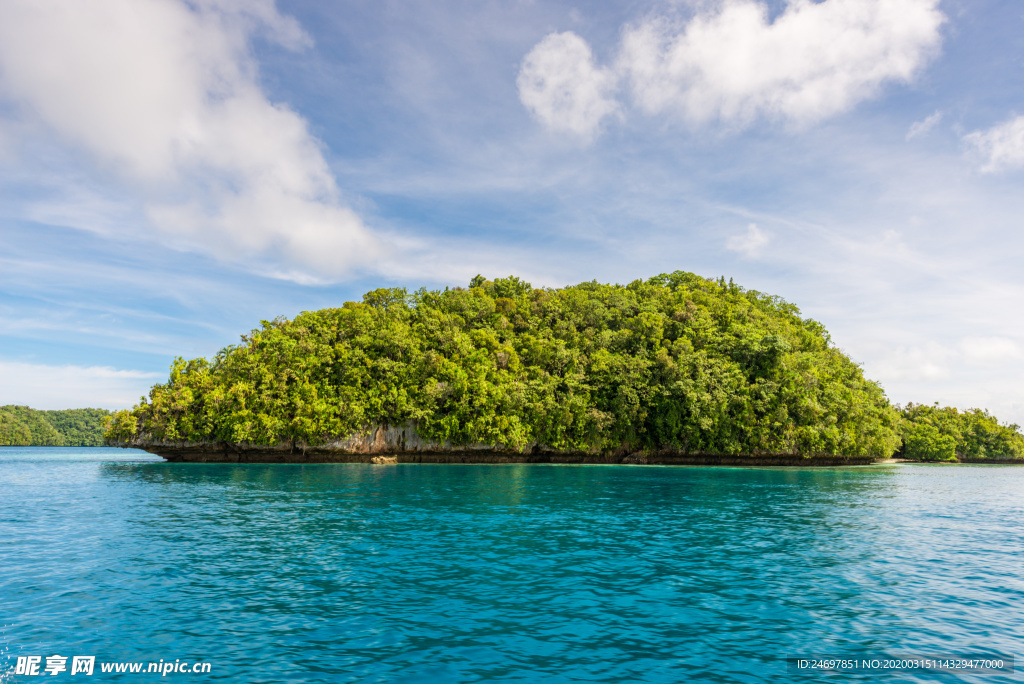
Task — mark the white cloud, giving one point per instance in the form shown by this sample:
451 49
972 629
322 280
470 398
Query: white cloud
984 351
812 61
932 361
1000 147
733 63
561 86
164 94
61 387
923 127
929 361
749 244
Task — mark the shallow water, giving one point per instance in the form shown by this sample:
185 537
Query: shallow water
503 573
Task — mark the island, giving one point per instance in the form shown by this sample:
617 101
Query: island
675 369
24 426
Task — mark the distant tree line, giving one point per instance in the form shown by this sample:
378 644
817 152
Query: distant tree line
24 426
931 433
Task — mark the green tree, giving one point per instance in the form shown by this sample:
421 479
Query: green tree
677 361
41 433
24 426
926 442
976 434
78 427
12 431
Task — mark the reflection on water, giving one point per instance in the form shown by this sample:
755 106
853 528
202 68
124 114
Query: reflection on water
353 572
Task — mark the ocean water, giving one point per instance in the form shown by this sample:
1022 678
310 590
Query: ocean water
503 573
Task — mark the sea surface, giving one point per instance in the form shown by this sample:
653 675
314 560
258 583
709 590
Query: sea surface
503 573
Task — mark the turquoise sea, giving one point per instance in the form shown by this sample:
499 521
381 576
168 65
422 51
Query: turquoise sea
503 573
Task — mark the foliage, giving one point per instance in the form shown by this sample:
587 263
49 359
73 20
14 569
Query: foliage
925 442
24 426
677 361
40 432
933 433
12 431
79 427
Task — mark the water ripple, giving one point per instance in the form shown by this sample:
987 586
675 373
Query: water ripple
518 573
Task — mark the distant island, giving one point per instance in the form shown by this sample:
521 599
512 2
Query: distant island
674 369
24 426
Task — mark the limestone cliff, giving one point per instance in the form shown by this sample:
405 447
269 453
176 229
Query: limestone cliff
402 444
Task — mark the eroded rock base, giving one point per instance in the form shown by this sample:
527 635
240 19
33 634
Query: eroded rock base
232 454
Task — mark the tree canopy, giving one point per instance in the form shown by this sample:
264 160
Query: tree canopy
931 433
677 361
24 426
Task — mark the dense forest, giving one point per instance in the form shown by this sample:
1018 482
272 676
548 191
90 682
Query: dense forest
23 426
674 362
931 433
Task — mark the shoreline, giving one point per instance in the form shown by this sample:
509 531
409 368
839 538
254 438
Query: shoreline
233 453
395 444
209 452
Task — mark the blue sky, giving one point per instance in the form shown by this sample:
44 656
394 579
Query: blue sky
173 172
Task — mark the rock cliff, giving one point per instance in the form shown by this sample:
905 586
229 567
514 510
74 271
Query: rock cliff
402 444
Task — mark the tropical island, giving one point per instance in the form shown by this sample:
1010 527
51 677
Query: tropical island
674 369
24 426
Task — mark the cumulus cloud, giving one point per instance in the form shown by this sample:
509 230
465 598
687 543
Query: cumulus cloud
923 127
749 244
732 62
1001 147
560 85
61 387
812 61
164 94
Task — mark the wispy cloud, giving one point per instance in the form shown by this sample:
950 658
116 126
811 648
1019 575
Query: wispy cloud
987 351
924 126
974 372
930 361
750 244
999 148
60 387
165 96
